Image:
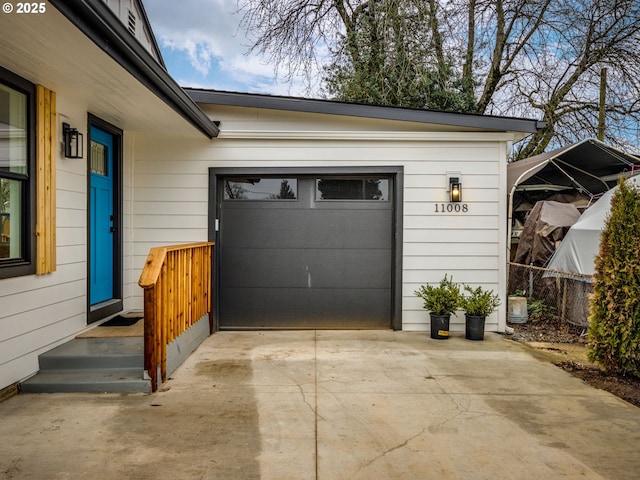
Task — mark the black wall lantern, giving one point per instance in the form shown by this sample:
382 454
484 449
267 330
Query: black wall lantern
455 189
73 141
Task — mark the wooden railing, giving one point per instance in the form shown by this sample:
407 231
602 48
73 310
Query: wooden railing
177 293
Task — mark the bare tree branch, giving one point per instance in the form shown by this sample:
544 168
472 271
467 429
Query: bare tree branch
508 57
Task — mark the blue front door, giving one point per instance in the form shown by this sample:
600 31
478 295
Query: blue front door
101 217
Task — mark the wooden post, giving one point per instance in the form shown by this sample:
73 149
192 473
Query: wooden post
150 364
171 291
164 324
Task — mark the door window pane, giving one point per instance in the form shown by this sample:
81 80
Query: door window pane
376 189
260 188
98 159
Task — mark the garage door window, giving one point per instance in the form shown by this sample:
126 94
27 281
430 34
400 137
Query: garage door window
268 189
372 189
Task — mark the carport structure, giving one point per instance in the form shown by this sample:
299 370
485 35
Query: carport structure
578 173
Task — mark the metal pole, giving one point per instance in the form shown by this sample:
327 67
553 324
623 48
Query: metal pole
564 301
530 293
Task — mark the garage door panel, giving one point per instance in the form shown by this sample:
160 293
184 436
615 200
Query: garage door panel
306 268
360 229
287 228
305 263
304 308
267 229
351 269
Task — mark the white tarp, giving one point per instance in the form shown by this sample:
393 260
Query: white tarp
577 251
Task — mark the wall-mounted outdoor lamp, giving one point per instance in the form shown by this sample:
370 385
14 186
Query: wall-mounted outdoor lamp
73 141
455 189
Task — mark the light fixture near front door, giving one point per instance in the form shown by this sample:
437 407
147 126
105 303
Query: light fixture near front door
72 141
455 189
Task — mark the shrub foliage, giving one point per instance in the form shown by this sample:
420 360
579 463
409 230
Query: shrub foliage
614 320
443 299
479 302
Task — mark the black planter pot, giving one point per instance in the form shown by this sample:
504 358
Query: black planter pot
474 327
440 326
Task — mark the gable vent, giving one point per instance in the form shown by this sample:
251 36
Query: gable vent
132 22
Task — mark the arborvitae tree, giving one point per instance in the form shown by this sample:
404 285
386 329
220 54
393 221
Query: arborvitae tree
285 191
614 321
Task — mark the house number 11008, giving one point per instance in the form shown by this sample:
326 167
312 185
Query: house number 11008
452 208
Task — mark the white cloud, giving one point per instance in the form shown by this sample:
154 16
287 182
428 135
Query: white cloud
243 64
200 54
207 33
209 21
207 48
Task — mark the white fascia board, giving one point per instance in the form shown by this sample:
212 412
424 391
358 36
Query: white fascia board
372 135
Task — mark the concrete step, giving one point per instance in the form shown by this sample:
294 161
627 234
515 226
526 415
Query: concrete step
124 380
85 353
113 365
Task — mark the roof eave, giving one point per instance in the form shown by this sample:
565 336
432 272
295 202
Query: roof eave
484 122
101 26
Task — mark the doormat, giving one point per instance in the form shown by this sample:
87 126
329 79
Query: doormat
120 321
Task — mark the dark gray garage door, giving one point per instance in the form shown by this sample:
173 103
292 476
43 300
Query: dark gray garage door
305 252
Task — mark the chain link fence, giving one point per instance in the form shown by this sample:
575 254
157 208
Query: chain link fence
564 295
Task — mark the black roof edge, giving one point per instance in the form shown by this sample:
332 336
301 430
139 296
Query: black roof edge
485 122
96 20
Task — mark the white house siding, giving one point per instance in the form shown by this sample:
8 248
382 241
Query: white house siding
171 188
469 247
170 192
39 312
129 278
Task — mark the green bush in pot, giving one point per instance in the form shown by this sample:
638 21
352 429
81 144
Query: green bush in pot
441 301
478 303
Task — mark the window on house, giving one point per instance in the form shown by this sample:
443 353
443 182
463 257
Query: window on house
16 165
260 189
366 188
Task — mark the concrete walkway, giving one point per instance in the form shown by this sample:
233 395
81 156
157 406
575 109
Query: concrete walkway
332 405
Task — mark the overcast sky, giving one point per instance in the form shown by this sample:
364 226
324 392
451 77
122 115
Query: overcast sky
203 47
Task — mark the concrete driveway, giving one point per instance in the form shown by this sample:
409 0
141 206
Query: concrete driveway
332 405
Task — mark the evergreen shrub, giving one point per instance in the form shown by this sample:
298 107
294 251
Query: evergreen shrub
614 320
443 299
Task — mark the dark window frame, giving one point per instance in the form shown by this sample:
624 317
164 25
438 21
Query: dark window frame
362 178
26 265
238 179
